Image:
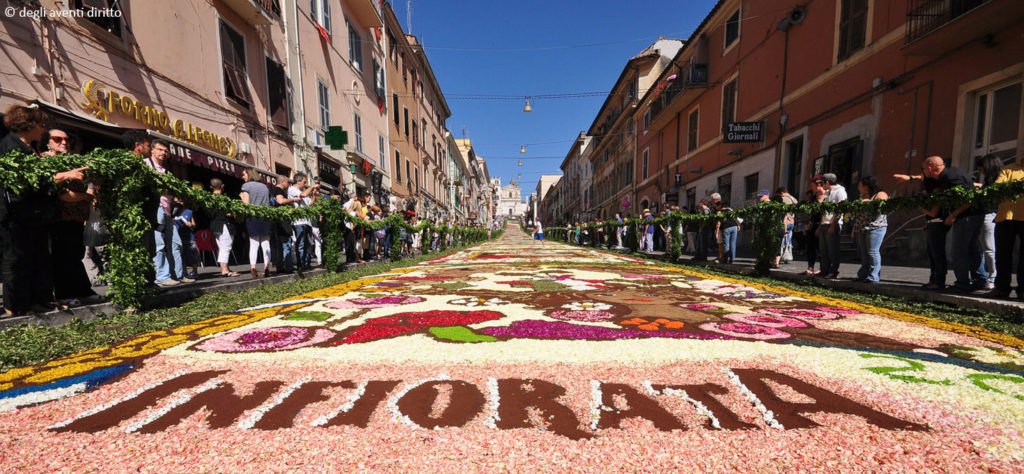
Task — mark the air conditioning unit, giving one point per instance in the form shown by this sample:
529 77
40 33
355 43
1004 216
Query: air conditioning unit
244 148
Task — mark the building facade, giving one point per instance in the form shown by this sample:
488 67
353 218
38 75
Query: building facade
739 110
615 162
510 200
418 113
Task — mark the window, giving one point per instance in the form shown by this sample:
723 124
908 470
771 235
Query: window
643 175
320 12
691 134
277 94
406 110
355 48
728 103
853 24
381 155
232 48
323 96
750 187
358 125
997 123
629 128
725 188
647 118
424 130
415 134
732 29
108 14
394 99
408 170
416 170
378 81
691 199
398 167
392 48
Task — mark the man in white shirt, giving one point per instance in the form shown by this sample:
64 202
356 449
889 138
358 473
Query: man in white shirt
306 195
829 230
168 242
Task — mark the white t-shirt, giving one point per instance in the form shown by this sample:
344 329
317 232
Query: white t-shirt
539 230
293 193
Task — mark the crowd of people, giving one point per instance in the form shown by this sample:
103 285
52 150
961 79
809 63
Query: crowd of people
53 238
982 239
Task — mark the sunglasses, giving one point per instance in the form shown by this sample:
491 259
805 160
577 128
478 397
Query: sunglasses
60 139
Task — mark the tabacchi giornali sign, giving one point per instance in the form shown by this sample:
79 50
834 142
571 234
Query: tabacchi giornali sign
744 132
103 102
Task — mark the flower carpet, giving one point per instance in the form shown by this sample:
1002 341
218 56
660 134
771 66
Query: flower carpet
510 356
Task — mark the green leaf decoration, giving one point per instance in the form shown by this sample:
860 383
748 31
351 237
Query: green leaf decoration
459 334
319 316
912 366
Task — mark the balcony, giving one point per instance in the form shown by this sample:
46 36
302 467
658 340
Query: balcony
693 77
256 12
365 13
937 26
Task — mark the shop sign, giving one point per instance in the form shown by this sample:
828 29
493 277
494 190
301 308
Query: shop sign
198 158
329 172
744 132
103 102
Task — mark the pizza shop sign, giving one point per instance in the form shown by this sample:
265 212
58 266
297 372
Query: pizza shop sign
102 102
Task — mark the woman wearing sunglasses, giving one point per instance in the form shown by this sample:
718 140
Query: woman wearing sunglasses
71 284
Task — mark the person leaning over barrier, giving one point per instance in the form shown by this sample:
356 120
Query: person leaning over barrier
937 177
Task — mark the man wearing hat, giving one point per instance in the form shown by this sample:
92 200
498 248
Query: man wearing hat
829 231
647 238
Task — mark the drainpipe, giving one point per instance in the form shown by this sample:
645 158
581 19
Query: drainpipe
301 89
782 122
49 59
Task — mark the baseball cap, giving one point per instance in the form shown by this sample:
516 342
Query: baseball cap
818 178
830 177
763 192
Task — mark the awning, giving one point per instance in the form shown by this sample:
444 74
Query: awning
81 120
189 154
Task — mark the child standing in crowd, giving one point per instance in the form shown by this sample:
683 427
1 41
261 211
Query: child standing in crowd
186 226
224 231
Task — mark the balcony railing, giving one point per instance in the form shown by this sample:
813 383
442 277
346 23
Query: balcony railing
925 16
693 76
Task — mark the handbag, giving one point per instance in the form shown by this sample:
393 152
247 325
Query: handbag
95 233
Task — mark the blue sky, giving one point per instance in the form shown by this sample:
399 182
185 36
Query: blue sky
535 47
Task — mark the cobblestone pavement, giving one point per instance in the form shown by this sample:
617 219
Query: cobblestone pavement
513 355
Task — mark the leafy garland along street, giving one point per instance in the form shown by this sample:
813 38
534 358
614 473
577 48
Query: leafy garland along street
766 217
126 181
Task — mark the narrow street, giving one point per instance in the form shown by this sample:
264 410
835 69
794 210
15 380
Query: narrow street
510 355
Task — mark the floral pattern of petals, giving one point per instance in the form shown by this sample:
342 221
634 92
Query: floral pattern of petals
701 306
768 320
374 302
587 306
583 316
811 314
266 339
744 330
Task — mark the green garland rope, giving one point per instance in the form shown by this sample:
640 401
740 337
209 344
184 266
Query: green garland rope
125 181
767 217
